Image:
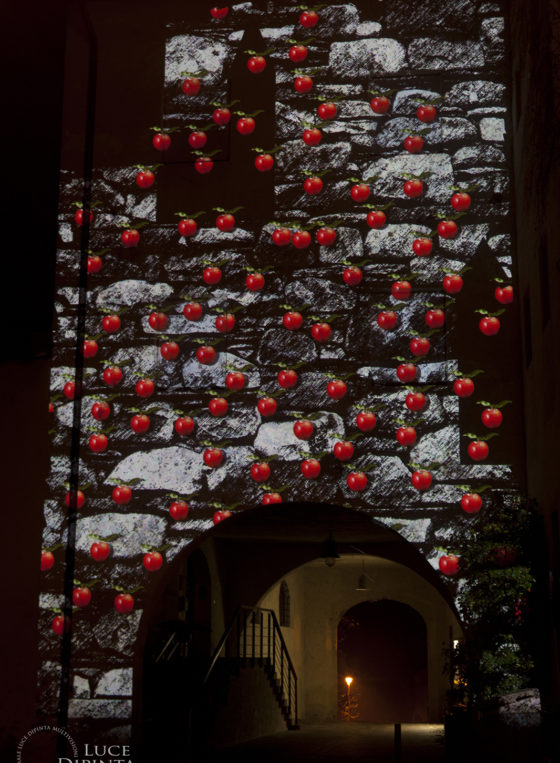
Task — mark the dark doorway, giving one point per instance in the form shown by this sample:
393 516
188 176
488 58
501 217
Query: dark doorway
382 646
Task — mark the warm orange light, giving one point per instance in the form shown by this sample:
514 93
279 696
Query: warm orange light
348 680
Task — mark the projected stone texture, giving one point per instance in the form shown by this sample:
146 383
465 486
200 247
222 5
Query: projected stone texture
416 54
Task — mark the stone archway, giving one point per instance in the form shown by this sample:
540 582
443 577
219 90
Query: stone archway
382 647
250 555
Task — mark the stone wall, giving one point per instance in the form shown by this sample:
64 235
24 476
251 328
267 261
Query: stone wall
450 54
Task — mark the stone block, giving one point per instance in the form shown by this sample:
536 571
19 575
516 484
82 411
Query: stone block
445 55
362 59
176 468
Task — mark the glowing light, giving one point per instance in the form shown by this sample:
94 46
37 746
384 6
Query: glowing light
348 681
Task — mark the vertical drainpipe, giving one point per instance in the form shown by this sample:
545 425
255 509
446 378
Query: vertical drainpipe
89 137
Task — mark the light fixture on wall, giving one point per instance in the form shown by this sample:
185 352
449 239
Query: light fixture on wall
363 580
330 551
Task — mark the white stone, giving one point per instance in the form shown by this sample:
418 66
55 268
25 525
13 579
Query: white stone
133 530
278 438
178 469
368 29
195 53
492 128
198 376
132 292
407 101
466 242
80 687
100 708
390 175
366 58
277 33
412 530
117 682
441 446
237 461
65 232
395 239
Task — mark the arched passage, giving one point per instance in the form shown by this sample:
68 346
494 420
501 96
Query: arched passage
247 558
382 648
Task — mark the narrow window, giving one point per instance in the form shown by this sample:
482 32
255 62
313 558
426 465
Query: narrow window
284 605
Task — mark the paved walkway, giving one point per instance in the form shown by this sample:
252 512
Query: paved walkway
339 742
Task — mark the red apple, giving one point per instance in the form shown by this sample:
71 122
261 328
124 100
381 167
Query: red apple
179 510
327 111
122 494
245 125
312 136
260 472
303 429
449 564
421 479
387 320
197 139
152 561
478 450
111 324
413 188
336 389
213 457
415 401
406 435
419 346
360 192
192 311
426 113
491 417
310 468
504 294
380 104
471 503
287 379
61 624
225 323
269 498
297 53
303 84
145 387
130 237
352 276
435 319
235 380
206 355
140 423
225 222
70 390
281 236
146 178
366 421
264 162
124 602
190 85
169 350
184 425
320 332
326 236
203 165
308 19
267 406
301 239
98 443
489 325
161 141
81 596
460 201
292 320
94 263
90 348
356 481
221 116
254 281
401 290
406 372
463 387
453 284
422 246
447 228
112 376
219 516
219 13
100 550
413 144
47 560
313 186
376 218
157 321
256 64
212 275
343 450
218 406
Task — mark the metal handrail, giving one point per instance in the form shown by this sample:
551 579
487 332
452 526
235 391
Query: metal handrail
275 643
